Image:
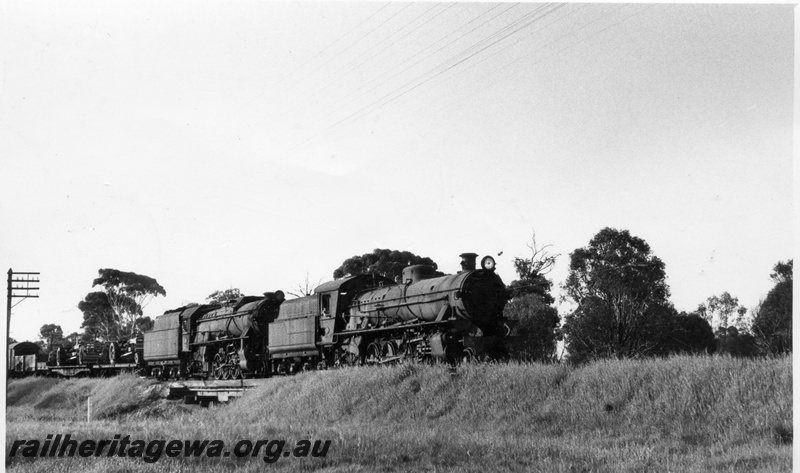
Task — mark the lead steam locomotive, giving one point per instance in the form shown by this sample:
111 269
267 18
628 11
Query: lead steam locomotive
362 319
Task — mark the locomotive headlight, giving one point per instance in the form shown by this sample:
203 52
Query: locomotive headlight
487 263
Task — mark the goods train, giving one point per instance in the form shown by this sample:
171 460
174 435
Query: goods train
362 319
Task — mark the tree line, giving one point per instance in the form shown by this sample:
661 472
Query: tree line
618 289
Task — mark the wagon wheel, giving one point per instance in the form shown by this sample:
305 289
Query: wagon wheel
373 356
219 367
234 370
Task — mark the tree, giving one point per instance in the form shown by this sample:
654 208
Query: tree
99 321
621 292
720 311
220 297
731 342
128 293
772 324
691 334
536 332
144 324
532 271
304 289
51 334
782 272
387 263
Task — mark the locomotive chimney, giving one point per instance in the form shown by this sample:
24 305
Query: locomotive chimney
468 261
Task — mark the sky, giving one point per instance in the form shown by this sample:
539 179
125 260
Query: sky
213 145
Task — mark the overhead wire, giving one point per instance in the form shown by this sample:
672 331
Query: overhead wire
418 53
567 47
570 33
464 55
322 51
360 38
328 82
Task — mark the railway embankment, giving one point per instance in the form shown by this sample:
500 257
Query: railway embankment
676 414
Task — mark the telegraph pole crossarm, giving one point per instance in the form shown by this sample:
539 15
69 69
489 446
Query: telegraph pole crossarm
20 286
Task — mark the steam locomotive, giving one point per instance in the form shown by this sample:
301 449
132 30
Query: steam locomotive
362 319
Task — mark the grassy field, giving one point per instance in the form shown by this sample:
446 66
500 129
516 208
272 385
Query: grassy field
679 414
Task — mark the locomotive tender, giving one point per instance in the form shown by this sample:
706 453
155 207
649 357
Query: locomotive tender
361 319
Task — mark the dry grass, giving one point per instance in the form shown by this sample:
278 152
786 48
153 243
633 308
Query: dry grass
679 414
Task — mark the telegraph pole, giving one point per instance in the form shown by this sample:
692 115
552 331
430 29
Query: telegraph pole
21 285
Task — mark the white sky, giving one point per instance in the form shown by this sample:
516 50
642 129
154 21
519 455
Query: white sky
243 144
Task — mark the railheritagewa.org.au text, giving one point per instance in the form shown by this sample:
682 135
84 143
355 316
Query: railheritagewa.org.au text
64 446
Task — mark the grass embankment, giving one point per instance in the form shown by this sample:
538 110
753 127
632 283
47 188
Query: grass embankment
680 414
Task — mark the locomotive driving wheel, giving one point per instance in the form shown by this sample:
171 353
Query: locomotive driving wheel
220 368
373 356
234 370
388 350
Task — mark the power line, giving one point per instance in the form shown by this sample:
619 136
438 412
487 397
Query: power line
327 82
461 57
458 59
320 52
357 40
420 60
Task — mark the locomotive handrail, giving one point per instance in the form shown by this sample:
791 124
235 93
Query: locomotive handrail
347 333
402 304
433 293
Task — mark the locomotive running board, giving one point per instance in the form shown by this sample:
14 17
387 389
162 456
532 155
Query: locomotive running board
389 328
